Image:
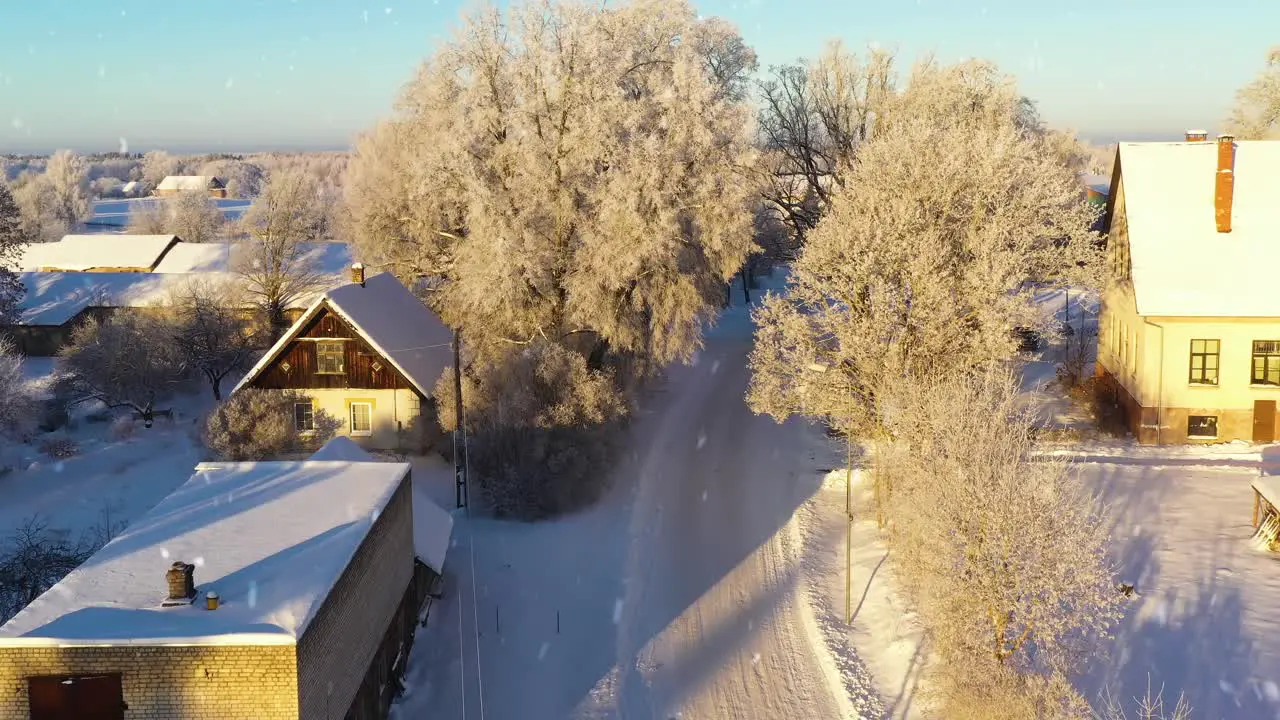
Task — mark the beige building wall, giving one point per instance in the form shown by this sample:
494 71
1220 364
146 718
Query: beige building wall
393 412
335 651
196 683
1150 359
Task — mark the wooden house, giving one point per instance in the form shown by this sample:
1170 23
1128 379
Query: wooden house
174 184
367 353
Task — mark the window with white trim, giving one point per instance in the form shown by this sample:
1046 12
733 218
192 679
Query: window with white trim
361 418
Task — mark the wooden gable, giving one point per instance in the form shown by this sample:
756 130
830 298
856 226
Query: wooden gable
363 367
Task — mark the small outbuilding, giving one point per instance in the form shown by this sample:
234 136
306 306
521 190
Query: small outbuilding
268 590
174 184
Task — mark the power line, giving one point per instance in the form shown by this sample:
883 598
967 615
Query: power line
475 608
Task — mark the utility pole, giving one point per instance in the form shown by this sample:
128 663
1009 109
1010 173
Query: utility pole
848 530
459 452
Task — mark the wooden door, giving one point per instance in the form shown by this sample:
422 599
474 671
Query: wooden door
1264 421
91 697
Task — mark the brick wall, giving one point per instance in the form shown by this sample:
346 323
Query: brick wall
195 683
335 651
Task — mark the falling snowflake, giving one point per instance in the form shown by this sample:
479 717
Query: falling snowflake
164 553
17 123
199 562
230 82
617 611
542 651
102 71
253 593
387 11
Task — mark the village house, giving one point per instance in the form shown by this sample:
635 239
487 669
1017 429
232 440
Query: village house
103 274
1189 333
368 354
268 590
174 184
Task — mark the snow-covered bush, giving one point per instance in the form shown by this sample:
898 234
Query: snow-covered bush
128 360
16 403
256 424
539 422
1004 554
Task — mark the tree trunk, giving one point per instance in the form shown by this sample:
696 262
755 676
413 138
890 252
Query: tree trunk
216 383
746 275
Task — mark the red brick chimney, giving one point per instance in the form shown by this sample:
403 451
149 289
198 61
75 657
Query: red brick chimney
182 585
1224 185
1197 135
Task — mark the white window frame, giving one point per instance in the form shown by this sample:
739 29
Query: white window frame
351 418
313 417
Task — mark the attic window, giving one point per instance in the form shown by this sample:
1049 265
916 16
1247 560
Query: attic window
329 358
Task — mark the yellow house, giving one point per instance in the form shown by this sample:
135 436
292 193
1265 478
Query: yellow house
368 354
1189 334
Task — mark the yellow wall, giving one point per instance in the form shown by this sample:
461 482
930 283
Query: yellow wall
389 407
1127 346
1235 336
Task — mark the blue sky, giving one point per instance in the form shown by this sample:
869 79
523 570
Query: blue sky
253 74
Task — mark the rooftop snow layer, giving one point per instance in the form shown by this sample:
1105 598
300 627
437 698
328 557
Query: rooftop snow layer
186 182
270 538
1182 266
86 252
432 526
329 258
392 320
53 298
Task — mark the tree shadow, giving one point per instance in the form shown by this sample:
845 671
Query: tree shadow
1188 638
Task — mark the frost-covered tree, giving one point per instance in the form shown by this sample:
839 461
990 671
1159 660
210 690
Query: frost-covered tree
1256 115
274 261
1005 554
210 330
956 211
158 164
149 217
68 177
567 169
814 117
194 217
243 179
12 240
16 411
127 360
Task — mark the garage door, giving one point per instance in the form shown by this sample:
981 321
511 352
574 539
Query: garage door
88 697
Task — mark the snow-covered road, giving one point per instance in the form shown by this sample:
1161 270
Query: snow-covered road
714 620
681 595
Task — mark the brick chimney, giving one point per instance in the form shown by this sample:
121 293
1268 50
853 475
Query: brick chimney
1224 184
1197 135
182 584
357 273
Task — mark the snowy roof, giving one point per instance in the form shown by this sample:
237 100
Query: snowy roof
86 252
270 538
391 319
131 186
55 298
329 258
432 526
1268 486
187 182
1181 264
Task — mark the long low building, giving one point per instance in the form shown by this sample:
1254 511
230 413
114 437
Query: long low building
269 590
55 303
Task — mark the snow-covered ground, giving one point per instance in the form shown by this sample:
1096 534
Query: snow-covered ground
112 215
1206 619
689 591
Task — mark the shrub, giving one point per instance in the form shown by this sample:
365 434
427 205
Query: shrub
58 448
540 425
256 424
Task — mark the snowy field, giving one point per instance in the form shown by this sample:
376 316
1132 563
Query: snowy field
112 214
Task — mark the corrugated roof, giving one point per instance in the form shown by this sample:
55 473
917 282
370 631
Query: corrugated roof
271 538
1181 264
